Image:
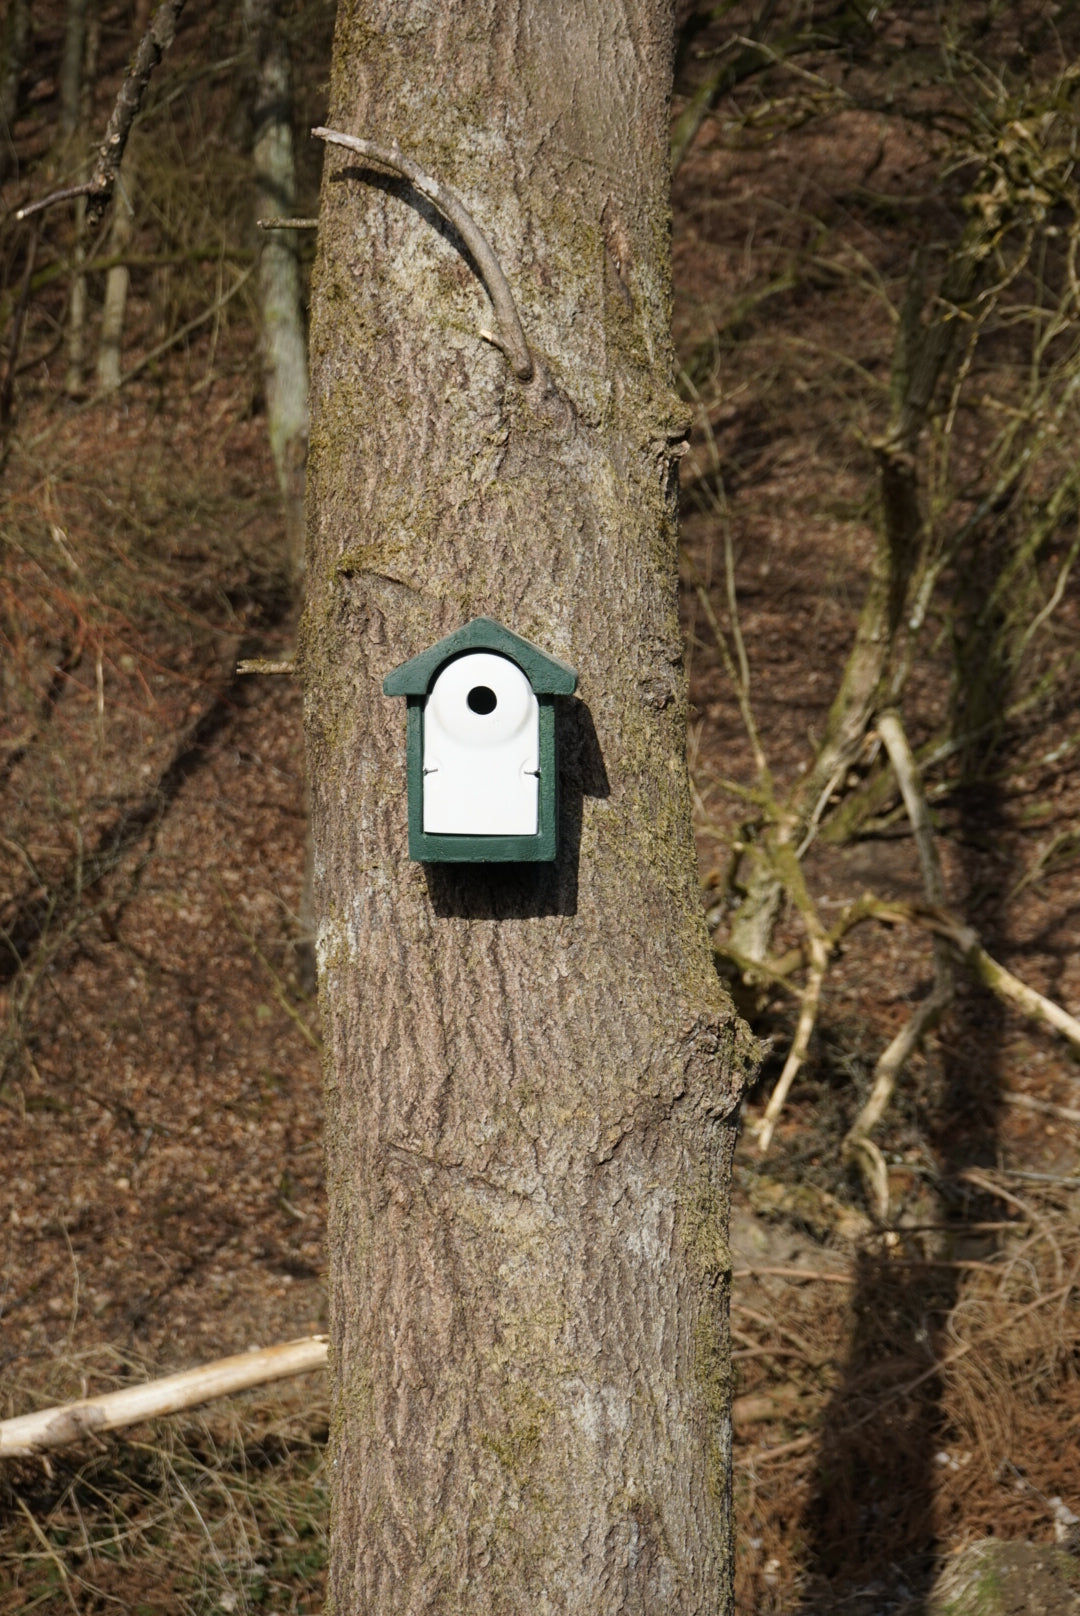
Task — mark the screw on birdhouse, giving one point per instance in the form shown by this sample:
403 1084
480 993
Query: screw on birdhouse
511 339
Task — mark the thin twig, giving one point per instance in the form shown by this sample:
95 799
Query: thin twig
1001 982
68 194
794 1273
513 341
971 1176
287 224
263 665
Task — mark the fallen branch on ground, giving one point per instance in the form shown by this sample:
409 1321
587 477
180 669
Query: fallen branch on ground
1001 982
57 1427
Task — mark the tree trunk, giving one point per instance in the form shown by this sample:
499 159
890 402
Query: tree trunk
114 306
78 72
71 66
532 1070
118 280
284 344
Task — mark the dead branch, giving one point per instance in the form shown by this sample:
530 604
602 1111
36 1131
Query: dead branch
69 1422
513 342
1001 982
800 1044
99 188
790 874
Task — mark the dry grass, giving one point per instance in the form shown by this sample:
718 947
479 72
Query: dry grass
226 1510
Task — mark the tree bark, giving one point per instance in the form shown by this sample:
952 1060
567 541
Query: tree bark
532 1072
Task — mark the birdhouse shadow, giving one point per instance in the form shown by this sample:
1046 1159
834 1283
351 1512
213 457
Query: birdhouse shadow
529 891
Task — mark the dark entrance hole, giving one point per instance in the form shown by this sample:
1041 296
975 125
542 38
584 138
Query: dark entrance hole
481 699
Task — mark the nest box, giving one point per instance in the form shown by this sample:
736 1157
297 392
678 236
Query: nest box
480 746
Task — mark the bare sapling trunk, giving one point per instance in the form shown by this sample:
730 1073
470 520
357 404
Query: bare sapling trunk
284 343
117 280
532 1071
71 66
78 70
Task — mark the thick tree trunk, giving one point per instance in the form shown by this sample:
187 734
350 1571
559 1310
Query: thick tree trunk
532 1071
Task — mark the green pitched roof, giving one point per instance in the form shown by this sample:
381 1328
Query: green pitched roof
545 673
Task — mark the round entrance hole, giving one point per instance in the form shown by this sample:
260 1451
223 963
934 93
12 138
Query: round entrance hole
481 699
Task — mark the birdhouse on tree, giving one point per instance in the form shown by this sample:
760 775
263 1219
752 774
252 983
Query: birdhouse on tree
480 746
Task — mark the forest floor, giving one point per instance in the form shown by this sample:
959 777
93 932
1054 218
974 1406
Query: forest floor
163 1202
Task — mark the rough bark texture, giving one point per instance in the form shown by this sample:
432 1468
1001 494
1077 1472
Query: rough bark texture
531 1072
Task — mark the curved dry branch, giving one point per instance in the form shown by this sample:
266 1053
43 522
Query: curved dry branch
512 341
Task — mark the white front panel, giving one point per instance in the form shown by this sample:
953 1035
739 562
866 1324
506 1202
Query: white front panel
481 749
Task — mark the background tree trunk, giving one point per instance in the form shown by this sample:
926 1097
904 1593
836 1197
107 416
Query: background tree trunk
284 345
114 304
78 72
532 1072
14 52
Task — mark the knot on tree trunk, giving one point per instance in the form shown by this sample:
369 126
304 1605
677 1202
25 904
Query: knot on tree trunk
719 1057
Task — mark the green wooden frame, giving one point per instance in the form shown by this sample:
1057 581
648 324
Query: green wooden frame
549 678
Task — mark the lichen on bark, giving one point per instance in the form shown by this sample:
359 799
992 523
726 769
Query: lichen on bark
533 1072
